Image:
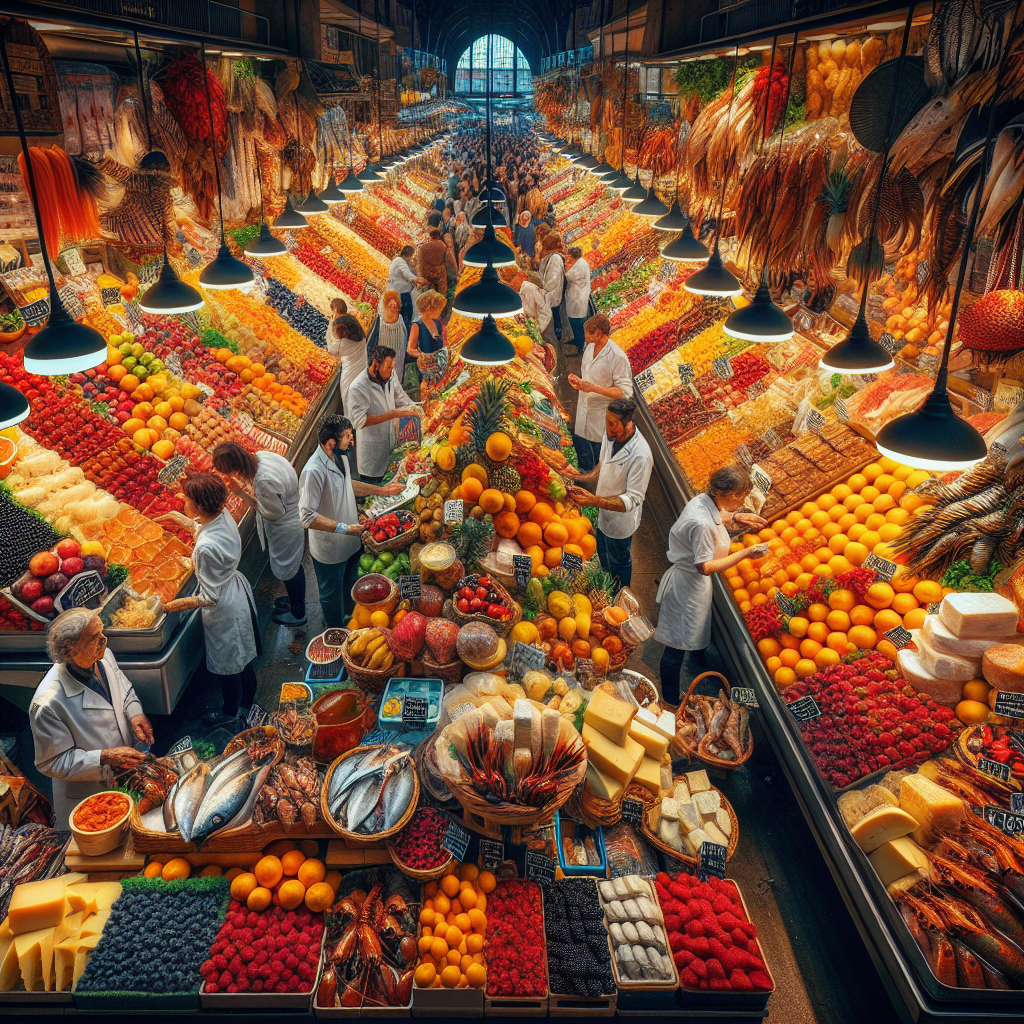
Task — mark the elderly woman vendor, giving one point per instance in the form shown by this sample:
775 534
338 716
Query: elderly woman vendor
84 714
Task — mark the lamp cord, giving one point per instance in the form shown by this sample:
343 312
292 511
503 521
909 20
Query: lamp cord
213 140
625 84
728 125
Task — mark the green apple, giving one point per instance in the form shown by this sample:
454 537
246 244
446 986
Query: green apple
141 372
129 363
138 349
124 348
146 359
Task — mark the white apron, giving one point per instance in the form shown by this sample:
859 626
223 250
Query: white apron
227 626
685 593
277 493
351 363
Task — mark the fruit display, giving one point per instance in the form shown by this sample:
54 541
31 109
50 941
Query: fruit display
579 963
515 950
636 932
418 845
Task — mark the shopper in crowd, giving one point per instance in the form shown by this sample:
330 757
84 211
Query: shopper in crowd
267 483
605 374
327 508
577 294
439 198
535 202
620 482
346 341
84 713
462 233
377 402
549 217
524 236
339 307
447 224
540 235
402 278
552 274
453 181
389 329
452 271
430 259
427 339
535 303
230 628
698 546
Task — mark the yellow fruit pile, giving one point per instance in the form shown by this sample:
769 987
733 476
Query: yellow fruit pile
286 877
453 924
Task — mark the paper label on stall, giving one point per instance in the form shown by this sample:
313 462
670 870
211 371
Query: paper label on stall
743 454
256 717
1009 705
456 841
881 567
454 511
804 709
36 313
551 439
572 562
772 439
890 344
74 265
1006 821
414 712
841 411
785 604
81 590
644 379
744 695
410 587
760 479
173 471
110 296
459 710
712 860
757 388
539 866
1017 803
492 853
72 303
996 769
901 638
686 372
632 811
525 658
816 421
522 566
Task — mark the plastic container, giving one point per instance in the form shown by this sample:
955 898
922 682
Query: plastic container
393 703
580 831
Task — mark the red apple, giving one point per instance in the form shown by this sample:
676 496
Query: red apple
44 606
71 566
69 548
31 590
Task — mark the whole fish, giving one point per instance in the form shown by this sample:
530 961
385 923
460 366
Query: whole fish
170 824
188 797
225 798
398 792
362 798
353 769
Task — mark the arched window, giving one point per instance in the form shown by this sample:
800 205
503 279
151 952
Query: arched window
508 66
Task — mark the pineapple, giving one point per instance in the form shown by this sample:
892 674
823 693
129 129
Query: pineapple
464 455
487 417
599 587
503 476
473 539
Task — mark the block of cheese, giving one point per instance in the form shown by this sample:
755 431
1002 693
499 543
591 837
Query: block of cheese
64 963
707 803
30 964
77 903
664 723
82 954
46 959
603 786
648 775
723 821
670 807
715 834
695 839
978 616
9 973
653 742
948 666
881 826
681 791
522 725
698 781
94 923
1003 667
668 833
67 929
609 716
689 819
940 638
36 905
104 894
929 804
943 691
648 717
897 858
619 760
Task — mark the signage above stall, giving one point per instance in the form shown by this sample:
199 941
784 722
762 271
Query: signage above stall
35 81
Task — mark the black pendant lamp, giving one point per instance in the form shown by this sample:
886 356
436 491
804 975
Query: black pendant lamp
652 206
351 185
225 271
14 406
490 249
605 171
487 214
636 193
312 204
674 220
370 174
488 347
333 194
265 244
289 219
686 248
63 345
762 320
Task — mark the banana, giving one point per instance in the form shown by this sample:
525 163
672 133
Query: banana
375 645
362 639
377 658
389 660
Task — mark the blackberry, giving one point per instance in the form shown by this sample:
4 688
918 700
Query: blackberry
25 534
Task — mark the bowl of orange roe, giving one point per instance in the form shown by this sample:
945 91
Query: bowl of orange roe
100 822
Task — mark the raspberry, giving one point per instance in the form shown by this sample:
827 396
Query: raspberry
262 956
232 988
715 969
760 980
699 967
243 983
306 972
291 962
688 978
257 985
225 979
720 984
236 966
259 931
301 950
265 972
230 951
253 919
212 986
740 981
694 928
253 970
276 966
295 985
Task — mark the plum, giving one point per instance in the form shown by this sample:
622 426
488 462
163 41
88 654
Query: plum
55 583
95 562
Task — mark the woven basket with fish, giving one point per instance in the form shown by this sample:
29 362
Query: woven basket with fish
714 730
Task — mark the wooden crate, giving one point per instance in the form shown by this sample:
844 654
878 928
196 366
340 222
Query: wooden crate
515 1007
581 1006
447 1002
342 854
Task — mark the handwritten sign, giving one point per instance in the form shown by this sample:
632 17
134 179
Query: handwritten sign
492 853
1017 803
804 709
539 866
712 860
84 588
644 379
110 296
256 717
889 343
1007 821
882 567
772 439
994 768
901 638
72 303
454 512
459 710
525 658
816 421
1009 705
36 313
744 695
410 587
785 604
456 841
760 479
722 368
572 562
632 811
550 439
841 411
522 566
414 712
686 372
743 454
173 471
71 261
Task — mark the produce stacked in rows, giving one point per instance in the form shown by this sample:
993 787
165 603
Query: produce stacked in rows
515 951
578 958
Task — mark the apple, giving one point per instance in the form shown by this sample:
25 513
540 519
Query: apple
29 591
43 606
72 566
69 548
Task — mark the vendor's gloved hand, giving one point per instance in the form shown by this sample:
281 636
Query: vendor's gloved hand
757 551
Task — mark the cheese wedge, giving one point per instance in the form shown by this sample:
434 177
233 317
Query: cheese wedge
975 616
9 973
94 923
648 775
881 826
715 834
103 894
68 928
604 787
947 692
64 963
1003 666
36 905
620 761
932 806
689 819
609 716
82 954
29 957
898 858
653 742
940 638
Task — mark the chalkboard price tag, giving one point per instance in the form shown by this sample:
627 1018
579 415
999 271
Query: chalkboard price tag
454 512
492 853
173 471
110 296
889 343
712 860
1006 821
632 811
522 566
686 372
994 768
551 439
644 379
841 411
1010 705
256 717
816 421
901 638
539 866
456 841
804 709
36 313
882 567
744 695
743 454
525 658
756 388
571 562
414 712
1017 803
85 587
722 368
760 479
785 604
410 587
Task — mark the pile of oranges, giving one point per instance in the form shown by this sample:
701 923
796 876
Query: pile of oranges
287 877
826 538
453 925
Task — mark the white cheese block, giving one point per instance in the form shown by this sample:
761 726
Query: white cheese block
707 803
694 839
681 791
668 832
689 819
946 666
670 808
714 834
978 616
653 742
943 691
940 638
698 782
666 725
647 717
723 821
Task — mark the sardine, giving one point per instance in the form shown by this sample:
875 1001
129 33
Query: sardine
361 801
371 764
170 824
731 735
397 793
718 719
223 800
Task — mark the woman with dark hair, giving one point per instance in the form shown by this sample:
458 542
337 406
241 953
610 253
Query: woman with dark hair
698 545
230 628
346 341
267 482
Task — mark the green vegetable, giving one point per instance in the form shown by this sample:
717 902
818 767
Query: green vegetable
959 577
387 557
116 575
378 566
706 79
204 749
365 561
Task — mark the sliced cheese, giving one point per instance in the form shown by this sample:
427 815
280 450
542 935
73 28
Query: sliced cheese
881 826
603 786
681 791
668 833
653 742
73 877
897 858
943 691
64 963
78 903
46 960
976 616
609 716
696 839
67 929
103 894
30 958
82 954
648 775
723 821
647 716
36 905
9 973
932 806
620 761
941 638
522 725
94 924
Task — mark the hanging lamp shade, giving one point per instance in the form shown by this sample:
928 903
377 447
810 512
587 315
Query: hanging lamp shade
13 406
312 204
170 295
332 194
226 271
761 320
933 437
588 163
674 220
605 171
686 248
265 244
289 219
489 250
370 173
652 206
714 279
636 192
488 347
488 297
350 185
63 345
620 182
485 216
859 353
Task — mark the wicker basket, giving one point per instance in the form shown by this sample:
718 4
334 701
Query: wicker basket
500 626
397 543
363 837
592 810
650 831
420 876
388 604
680 748
373 680
449 674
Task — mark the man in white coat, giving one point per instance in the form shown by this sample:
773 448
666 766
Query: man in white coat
402 278
620 482
376 402
327 508
577 295
84 714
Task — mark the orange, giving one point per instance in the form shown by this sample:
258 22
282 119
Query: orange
928 591
862 615
471 489
788 642
734 581
555 534
808 563
453 936
879 595
820 519
541 513
838 564
872 470
525 500
768 646
789 658
268 871
785 677
463 923
846 522
870 539
242 885
889 531
903 603
809 648
311 871
793 517
789 534
798 626
830 530
476 975
478 919
976 689
972 712
842 600
837 642
874 521
863 637
841 492
853 502
914 619
884 502
451 975
177 867
817 631
438 948
838 543
887 619
804 668
292 861
772 664
856 553
450 886
817 612
826 657
838 620
837 513
506 524
869 493
857 482
553 558
424 976
899 516
888 648
153 869
259 898
427 916
291 893
741 595
492 500
904 582
856 531
825 501
487 882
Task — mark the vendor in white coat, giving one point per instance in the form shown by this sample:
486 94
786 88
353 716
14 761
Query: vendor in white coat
268 483
230 627
620 482
605 374
327 508
376 402
84 714
346 341
698 546
577 294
